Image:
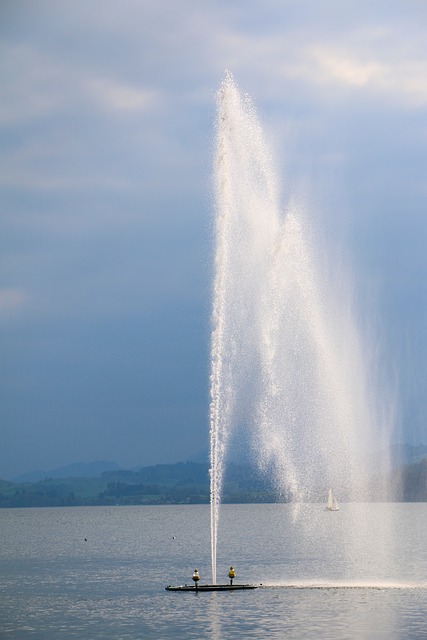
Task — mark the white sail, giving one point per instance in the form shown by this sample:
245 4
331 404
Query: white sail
332 503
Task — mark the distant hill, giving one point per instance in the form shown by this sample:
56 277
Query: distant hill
185 483
105 483
412 482
75 470
180 483
407 454
400 454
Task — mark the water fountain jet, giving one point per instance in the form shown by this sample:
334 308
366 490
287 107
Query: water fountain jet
287 359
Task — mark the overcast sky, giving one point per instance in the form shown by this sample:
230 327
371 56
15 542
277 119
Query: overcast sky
106 124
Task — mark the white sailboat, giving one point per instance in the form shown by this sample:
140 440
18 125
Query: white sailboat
332 503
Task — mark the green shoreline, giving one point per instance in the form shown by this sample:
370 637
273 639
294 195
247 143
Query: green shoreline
188 483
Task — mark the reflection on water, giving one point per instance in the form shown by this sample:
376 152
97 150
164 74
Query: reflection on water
55 584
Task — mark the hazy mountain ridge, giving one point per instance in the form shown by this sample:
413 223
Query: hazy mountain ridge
73 470
400 454
188 483
407 454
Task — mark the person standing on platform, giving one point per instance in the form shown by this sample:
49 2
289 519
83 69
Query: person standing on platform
196 578
231 575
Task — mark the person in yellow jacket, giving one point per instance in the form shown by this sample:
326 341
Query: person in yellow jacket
231 575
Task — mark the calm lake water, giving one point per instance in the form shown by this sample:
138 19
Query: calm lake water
100 572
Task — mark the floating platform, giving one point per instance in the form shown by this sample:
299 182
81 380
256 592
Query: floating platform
211 587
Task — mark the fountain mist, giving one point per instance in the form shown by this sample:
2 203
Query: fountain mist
286 357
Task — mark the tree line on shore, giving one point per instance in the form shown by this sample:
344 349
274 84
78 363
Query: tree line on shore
188 483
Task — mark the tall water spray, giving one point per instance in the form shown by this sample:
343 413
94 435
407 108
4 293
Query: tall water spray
287 362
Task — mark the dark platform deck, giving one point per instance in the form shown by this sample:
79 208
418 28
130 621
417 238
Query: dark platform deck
211 587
